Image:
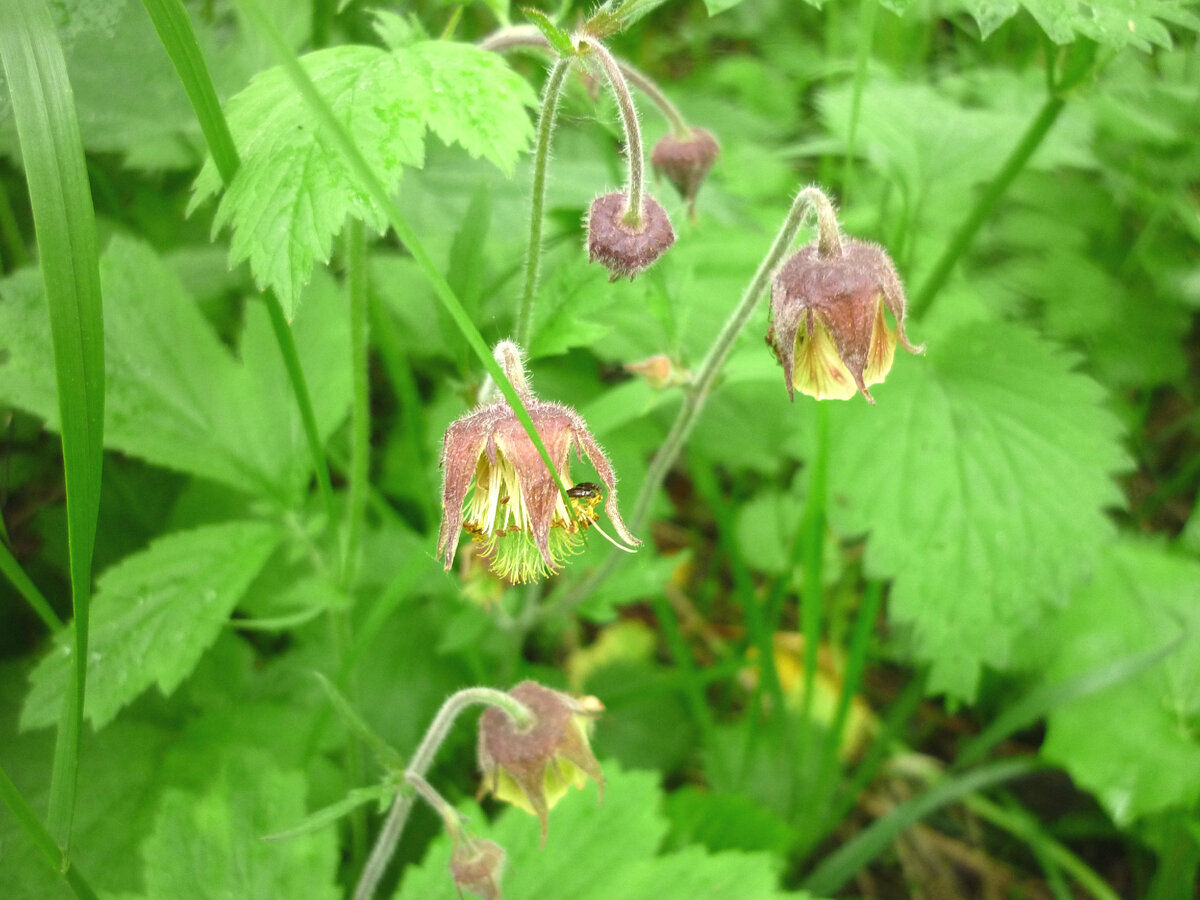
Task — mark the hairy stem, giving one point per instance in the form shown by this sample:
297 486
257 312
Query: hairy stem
629 122
435 736
541 161
526 36
809 199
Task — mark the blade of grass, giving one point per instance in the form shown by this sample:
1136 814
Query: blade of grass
254 11
898 714
178 38
11 569
64 223
42 839
844 863
856 663
1023 825
1044 698
308 419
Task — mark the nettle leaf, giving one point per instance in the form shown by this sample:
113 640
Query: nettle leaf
153 616
624 865
1115 23
981 477
293 192
211 845
176 397
1136 746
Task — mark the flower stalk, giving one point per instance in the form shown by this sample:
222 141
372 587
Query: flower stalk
635 182
418 767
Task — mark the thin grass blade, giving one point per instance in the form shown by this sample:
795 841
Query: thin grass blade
842 865
64 222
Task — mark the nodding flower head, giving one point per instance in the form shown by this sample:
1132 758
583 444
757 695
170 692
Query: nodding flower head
514 510
685 160
532 767
623 243
828 328
476 866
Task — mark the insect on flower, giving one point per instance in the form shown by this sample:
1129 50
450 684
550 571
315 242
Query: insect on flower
497 488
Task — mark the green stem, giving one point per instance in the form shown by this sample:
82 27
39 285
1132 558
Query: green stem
308 419
435 736
809 199
541 162
655 95
856 663
11 569
360 411
629 122
866 32
42 839
706 375
521 36
360 449
986 204
357 163
813 531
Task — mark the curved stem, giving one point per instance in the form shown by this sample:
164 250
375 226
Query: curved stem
809 198
655 95
541 161
526 36
393 828
629 121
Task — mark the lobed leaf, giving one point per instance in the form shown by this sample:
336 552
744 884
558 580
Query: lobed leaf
211 845
1114 23
153 616
1136 746
176 397
982 478
294 192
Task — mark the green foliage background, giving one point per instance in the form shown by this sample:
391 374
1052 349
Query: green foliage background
999 559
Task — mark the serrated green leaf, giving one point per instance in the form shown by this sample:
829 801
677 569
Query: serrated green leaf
1114 23
981 477
211 845
121 772
176 397
623 866
293 192
153 616
1136 745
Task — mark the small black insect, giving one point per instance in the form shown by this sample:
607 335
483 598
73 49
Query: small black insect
584 490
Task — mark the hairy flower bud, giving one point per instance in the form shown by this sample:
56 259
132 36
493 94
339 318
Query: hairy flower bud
686 160
515 511
623 245
828 328
476 866
532 767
